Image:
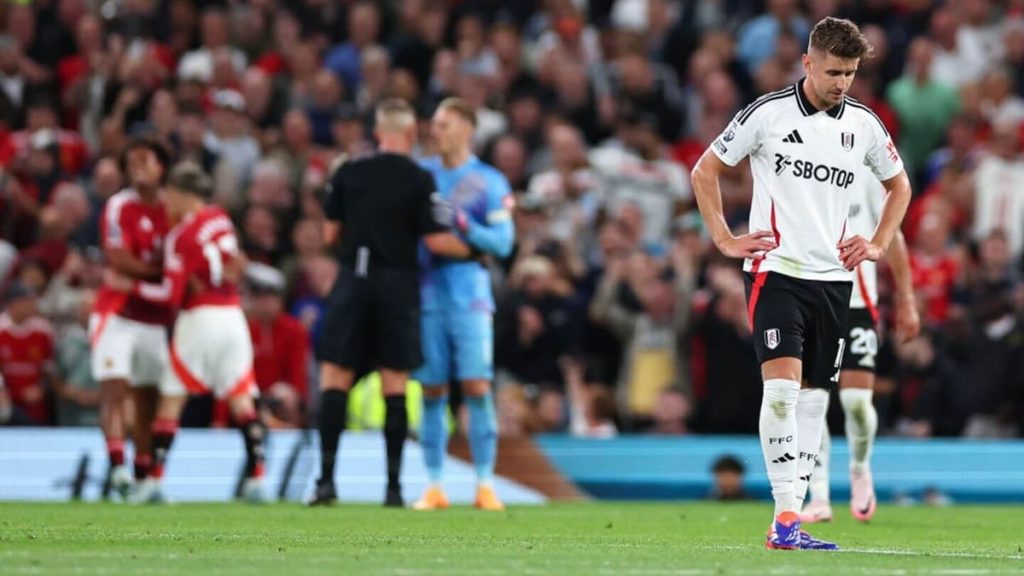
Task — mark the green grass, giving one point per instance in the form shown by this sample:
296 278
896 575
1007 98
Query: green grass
592 539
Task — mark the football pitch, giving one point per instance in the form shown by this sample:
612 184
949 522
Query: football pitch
561 539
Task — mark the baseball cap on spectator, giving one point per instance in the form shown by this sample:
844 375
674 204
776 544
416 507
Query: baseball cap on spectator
229 100
16 291
264 279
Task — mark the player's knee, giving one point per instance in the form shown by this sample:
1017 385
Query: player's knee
435 392
334 377
476 387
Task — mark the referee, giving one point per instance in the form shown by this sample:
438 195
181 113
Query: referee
380 206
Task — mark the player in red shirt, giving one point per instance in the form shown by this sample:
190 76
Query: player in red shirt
211 350
129 333
26 356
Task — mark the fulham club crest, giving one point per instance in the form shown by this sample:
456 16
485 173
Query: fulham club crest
847 141
771 338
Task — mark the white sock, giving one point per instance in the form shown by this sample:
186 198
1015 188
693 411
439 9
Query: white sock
778 432
810 419
861 425
820 489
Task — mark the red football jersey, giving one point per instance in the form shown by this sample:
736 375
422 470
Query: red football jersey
198 251
26 350
139 228
281 353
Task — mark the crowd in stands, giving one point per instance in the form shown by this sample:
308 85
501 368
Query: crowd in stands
615 313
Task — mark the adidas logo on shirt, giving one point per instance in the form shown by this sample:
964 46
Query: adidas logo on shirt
793 138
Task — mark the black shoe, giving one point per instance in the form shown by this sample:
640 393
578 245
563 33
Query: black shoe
393 498
325 494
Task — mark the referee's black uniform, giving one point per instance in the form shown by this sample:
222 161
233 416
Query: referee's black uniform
384 204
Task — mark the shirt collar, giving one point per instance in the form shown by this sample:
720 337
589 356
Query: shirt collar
808 109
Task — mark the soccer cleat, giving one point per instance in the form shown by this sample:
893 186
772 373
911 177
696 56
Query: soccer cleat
252 492
784 533
149 491
122 482
393 498
816 511
487 499
324 495
433 499
862 495
808 542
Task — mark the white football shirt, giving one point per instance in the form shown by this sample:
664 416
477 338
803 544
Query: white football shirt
866 201
805 163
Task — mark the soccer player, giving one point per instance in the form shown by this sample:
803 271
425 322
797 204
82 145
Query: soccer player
380 206
806 144
857 378
458 306
129 333
211 349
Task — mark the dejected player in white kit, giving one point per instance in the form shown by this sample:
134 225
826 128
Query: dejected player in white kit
211 349
807 145
857 378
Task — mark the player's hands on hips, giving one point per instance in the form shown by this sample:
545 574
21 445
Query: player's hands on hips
857 249
908 321
752 245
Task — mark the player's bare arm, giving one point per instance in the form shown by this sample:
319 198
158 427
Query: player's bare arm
447 244
857 249
709 199
908 321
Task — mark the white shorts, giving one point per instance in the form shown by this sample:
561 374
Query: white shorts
211 352
124 349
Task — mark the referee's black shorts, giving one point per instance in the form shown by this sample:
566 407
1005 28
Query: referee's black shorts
796 318
373 321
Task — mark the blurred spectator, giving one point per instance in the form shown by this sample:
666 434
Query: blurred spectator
231 140
654 360
998 186
728 479
924 106
757 38
636 170
999 104
728 391
996 341
214 37
281 347
953 64
78 393
591 407
26 356
935 267
363 25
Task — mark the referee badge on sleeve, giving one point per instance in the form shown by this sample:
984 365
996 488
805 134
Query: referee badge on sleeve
771 338
847 141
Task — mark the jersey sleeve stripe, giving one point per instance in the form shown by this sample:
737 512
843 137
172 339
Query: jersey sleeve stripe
860 106
769 97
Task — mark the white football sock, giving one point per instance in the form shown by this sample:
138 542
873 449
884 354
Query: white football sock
810 419
778 432
861 425
820 490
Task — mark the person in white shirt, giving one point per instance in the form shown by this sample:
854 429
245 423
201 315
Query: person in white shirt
999 189
857 378
807 144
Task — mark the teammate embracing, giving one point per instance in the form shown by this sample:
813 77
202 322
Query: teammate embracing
807 145
211 350
857 378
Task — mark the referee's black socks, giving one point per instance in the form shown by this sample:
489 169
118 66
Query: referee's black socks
333 414
396 429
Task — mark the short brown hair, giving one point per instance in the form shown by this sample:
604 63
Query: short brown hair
189 177
460 107
840 38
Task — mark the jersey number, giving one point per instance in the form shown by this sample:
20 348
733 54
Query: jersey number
864 344
214 252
